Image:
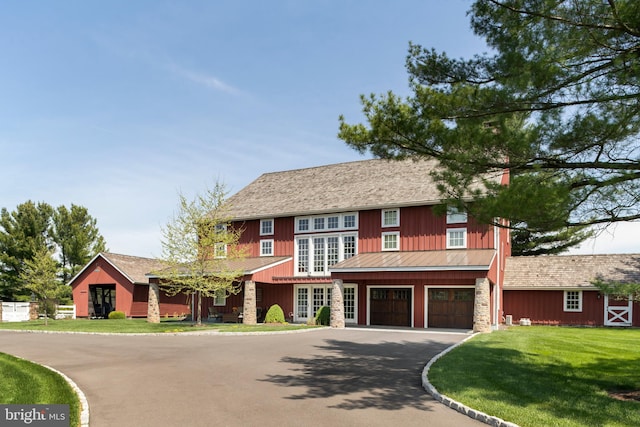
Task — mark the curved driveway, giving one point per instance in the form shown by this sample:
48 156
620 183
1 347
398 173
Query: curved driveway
351 377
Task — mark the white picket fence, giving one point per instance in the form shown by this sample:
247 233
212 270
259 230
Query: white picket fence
19 311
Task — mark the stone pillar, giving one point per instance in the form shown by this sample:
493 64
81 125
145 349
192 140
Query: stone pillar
337 304
153 306
482 306
33 310
249 316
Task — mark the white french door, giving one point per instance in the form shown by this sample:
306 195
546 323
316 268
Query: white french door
309 298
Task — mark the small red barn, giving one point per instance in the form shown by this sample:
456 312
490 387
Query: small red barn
118 282
558 290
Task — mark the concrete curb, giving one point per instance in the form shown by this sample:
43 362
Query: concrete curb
169 334
445 400
84 412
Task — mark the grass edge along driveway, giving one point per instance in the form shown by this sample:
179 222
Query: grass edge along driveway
25 382
546 376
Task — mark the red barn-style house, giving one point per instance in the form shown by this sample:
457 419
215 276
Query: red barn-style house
559 290
372 227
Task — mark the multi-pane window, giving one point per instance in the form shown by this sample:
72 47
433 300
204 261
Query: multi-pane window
266 227
390 217
456 238
220 299
572 300
349 297
303 255
220 250
316 254
266 247
391 241
334 222
309 298
349 221
456 216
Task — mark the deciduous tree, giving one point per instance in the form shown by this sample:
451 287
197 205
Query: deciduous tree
199 249
39 276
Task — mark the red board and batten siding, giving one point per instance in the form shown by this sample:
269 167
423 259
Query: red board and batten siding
100 272
547 307
282 236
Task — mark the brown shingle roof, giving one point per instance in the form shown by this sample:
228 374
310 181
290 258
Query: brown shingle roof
246 265
134 267
472 259
359 185
570 271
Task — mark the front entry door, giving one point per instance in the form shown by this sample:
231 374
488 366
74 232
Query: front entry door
390 306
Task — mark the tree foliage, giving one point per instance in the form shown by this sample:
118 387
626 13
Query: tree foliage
556 102
39 276
70 234
77 237
618 290
200 249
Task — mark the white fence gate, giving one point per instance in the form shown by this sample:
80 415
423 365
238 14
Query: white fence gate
15 311
618 312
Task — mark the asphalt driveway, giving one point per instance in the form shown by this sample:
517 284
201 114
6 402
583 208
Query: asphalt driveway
351 377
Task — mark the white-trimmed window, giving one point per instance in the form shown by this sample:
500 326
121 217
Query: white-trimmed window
220 250
391 217
456 238
266 227
266 247
322 223
315 254
309 298
391 241
220 300
456 216
572 300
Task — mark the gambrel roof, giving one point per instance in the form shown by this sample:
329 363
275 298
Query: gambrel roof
342 187
569 271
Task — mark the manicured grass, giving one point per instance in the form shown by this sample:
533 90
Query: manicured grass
24 382
546 376
125 326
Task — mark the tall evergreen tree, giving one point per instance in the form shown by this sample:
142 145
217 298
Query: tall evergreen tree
556 102
77 237
23 233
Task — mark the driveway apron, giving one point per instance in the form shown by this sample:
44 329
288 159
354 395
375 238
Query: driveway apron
351 377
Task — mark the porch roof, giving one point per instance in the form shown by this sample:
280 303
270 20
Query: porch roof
467 260
569 271
248 266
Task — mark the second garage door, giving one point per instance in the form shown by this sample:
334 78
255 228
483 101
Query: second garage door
451 308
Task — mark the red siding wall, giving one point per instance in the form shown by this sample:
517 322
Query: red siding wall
546 307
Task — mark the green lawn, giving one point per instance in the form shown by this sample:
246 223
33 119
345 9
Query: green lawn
546 376
24 382
139 326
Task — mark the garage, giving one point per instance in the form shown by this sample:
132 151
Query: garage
451 308
390 306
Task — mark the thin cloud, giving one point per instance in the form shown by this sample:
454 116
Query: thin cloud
208 81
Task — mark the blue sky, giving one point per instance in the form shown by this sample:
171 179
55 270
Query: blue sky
119 105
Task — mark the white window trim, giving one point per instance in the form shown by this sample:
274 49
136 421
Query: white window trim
391 233
311 253
310 288
464 244
262 253
397 223
219 301
564 302
326 229
262 221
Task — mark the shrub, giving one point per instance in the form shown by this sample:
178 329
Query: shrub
274 315
323 316
117 315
